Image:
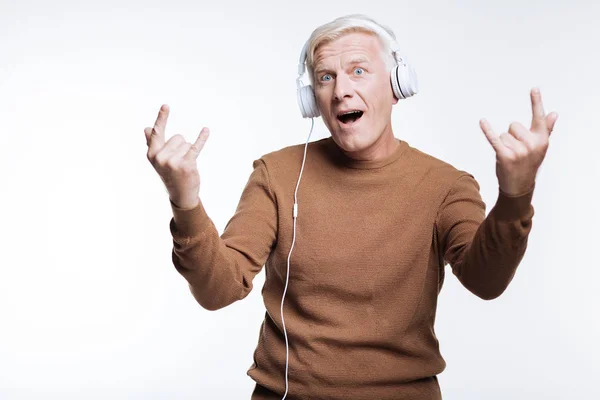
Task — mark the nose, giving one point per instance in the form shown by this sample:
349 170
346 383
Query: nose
343 87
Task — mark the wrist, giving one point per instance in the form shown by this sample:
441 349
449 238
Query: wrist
516 190
185 204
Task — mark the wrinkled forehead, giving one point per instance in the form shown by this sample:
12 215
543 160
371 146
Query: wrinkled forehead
351 47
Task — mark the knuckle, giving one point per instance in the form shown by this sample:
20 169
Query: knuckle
522 154
176 140
529 146
161 161
186 169
172 164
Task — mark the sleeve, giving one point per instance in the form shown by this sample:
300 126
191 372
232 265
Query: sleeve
484 253
220 269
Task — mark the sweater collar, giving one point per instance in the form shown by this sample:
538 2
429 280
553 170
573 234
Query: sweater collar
340 158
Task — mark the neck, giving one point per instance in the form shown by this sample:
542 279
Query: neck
382 148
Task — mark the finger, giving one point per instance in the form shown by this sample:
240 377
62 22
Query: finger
538 122
158 131
550 121
166 152
519 132
181 151
148 134
198 145
491 136
512 143
153 145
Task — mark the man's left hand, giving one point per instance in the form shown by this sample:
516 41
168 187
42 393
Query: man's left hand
520 151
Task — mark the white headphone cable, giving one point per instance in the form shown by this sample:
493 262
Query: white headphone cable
295 215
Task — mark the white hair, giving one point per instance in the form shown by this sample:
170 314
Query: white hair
343 25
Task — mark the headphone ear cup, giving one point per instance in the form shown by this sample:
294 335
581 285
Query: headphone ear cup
404 81
308 102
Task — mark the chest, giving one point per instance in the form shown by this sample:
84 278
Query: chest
359 237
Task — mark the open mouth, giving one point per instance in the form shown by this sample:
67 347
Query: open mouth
350 116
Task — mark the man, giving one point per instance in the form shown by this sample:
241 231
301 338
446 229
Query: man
377 223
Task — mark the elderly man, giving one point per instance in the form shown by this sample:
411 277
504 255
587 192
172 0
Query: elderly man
350 311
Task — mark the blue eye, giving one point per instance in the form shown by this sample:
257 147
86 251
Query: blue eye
359 71
326 77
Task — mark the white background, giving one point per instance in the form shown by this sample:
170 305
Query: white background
90 303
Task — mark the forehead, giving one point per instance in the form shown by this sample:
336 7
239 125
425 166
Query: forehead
351 45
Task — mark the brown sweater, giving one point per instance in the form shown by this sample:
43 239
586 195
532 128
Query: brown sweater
366 270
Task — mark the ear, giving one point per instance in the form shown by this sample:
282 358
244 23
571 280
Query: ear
395 100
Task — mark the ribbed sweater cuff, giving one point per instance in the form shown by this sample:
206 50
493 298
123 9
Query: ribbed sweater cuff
189 222
511 207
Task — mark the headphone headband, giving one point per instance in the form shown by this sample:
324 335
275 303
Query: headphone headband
394 47
402 76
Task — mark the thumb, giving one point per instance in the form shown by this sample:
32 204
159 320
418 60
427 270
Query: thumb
550 121
491 136
200 141
148 134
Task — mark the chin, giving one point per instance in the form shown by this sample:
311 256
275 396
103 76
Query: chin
352 141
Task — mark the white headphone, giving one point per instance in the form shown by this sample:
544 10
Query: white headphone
403 76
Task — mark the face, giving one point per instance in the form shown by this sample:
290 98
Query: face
354 94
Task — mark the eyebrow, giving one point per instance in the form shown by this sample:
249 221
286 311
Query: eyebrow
353 61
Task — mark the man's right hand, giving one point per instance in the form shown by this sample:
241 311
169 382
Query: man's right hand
175 161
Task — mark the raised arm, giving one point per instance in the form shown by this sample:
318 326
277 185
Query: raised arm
484 253
219 269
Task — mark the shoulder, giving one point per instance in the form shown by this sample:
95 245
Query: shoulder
293 151
288 159
436 172
434 164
